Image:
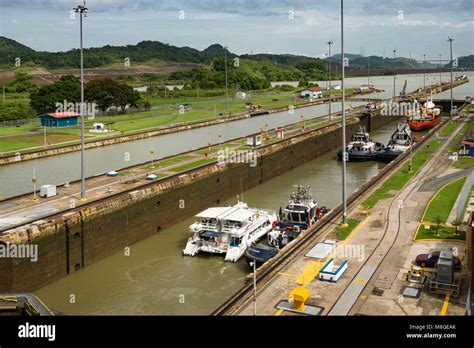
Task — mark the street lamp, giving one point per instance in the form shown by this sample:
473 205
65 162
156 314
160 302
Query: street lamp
368 72
253 264
34 181
440 69
424 71
152 153
329 79
344 203
82 9
394 92
330 42
226 95
451 63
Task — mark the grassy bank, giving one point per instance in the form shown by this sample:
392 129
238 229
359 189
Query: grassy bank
343 233
23 137
443 202
400 178
444 232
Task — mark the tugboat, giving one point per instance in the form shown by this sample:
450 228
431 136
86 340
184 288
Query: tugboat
424 117
361 148
228 230
301 212
400 141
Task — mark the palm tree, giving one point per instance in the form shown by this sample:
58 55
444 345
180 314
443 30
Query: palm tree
456 223
438 221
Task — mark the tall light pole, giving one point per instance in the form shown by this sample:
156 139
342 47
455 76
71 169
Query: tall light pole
344 159
451 63
368 73
440 69
254 288
424 71
226 95
327 71
394 55
82 10
329 80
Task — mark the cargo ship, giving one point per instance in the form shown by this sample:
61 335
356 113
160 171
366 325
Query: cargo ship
424 117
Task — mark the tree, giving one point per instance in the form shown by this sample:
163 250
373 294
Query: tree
144 103
14 110
21 83
456 223
102 92
46 98
106 92
126 96
438 221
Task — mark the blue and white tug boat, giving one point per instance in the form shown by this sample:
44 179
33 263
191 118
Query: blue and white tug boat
301 212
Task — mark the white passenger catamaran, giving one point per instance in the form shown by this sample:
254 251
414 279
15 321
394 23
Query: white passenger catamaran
228 230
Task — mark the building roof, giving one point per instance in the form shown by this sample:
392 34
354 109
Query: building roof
469 142
313 89
61 114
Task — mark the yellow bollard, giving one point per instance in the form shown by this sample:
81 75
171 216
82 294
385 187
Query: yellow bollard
299 297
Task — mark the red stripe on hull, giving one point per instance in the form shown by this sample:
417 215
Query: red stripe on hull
421 125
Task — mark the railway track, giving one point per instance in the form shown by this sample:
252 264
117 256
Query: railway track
243 297
419 178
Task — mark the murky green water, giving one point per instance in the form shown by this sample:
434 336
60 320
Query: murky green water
157 279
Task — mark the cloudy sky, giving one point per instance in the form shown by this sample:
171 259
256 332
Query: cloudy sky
372 27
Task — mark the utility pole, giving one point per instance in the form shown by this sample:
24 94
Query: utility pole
451 63
82 9
329 80
440 69
394 55
226 95
327 71
254 288
368 73
424 71
344 153
34 181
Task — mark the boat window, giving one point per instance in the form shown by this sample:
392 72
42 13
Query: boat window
295 217
235 241
304 217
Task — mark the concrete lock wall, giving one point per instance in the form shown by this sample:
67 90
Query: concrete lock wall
75 240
